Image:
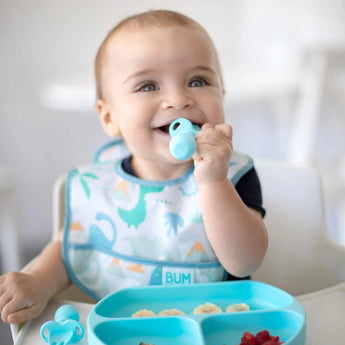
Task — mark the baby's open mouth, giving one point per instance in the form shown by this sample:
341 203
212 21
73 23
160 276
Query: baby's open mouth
165 128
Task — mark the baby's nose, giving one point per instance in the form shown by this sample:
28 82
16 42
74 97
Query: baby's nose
177 100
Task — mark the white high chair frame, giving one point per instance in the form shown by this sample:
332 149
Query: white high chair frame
302 257
10 254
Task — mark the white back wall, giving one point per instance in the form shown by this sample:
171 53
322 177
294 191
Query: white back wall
47 44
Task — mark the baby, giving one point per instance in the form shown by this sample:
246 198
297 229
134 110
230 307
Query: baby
177 221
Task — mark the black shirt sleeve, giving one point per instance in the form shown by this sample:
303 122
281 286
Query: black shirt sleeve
249 189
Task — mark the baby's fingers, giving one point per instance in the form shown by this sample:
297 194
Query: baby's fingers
9 307
16 314
4 300
15 302
225 128
22 315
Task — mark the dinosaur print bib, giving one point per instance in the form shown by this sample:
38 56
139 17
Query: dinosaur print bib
121 231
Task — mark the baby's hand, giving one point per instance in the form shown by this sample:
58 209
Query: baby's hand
22 297
213 153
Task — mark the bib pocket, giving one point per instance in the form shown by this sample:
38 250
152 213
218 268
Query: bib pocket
99 271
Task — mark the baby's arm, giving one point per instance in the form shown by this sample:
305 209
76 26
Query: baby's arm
24 295
237 233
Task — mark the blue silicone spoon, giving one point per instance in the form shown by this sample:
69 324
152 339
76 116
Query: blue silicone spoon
65 329
182 144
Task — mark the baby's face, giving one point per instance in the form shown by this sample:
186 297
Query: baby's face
154 76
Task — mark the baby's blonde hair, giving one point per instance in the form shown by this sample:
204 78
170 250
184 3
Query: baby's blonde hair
149 19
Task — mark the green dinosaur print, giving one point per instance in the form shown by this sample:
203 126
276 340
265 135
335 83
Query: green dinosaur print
156 277
196 216
83 182
137 215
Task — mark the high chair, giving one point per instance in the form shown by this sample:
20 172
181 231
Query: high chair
302 257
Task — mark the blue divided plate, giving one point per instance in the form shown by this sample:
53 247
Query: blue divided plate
273 309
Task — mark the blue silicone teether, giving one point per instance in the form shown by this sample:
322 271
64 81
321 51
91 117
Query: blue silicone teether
182 144
65 329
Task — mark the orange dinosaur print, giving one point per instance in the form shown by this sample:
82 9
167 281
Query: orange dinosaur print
122 185
135 268
76 226
197 246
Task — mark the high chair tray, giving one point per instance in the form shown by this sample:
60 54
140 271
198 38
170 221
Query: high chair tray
110 321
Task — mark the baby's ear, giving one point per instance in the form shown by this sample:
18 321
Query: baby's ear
108 122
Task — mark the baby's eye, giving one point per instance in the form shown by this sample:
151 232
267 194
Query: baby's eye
198 83
148 87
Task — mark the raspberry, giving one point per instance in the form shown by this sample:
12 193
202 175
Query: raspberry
274 338
248 339
262 336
